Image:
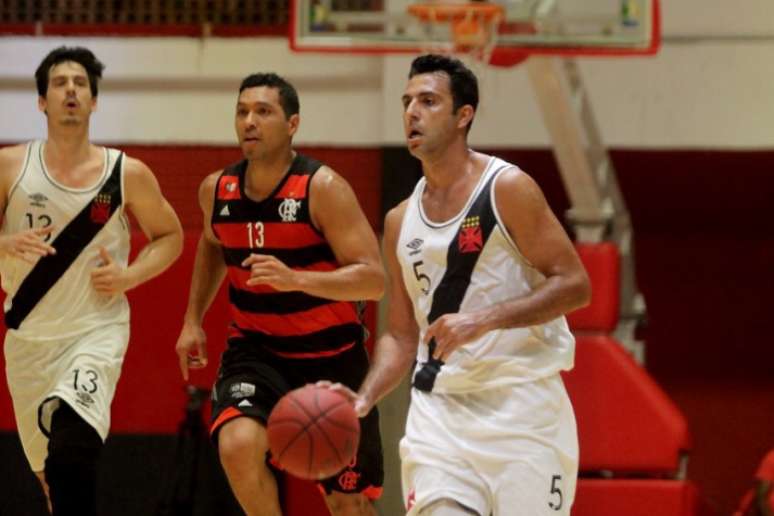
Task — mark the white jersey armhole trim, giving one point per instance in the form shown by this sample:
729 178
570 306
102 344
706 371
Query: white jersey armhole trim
122 175
499 219
471 198
27 155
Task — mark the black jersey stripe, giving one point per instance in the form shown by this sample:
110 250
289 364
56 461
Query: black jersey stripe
328 339
243 212
448 296
299 257
68 244
274 302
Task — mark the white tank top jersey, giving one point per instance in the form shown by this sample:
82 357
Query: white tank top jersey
500 357
71 306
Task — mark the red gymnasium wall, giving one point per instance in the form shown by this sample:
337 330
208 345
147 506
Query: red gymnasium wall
704 235
150 396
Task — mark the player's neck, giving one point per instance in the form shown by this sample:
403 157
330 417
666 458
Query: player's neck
67 149
449 166
263 174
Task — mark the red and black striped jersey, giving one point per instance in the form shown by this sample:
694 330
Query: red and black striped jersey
292 324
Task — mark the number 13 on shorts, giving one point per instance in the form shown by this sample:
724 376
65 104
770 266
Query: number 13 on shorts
85 383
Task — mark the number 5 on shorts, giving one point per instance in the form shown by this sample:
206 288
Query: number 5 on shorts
556 492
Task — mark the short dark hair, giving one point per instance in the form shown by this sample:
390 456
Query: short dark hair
82 56
287 93
462 81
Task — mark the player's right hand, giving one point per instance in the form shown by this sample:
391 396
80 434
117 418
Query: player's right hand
191 348
360 403
27 245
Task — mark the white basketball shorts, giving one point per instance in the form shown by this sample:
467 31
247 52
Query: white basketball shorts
83 371
507 451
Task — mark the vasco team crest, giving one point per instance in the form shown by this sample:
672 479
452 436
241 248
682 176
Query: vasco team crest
470 239
100 209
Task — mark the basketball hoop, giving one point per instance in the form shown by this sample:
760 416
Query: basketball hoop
473 25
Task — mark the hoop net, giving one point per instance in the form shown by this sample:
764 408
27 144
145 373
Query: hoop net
473 27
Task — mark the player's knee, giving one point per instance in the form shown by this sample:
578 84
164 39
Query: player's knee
356 504
447 507
241 440
73 443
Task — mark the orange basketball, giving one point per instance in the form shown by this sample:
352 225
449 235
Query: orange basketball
313 432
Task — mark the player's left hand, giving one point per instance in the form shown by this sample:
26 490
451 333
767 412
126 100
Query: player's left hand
109 278
268 270
451 331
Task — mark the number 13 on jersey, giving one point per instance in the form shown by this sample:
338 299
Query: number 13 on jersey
255 234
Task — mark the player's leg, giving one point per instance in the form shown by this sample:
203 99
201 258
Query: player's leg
540 466
436 474
42 478
74 448
76 415
29 388
249 384
242 445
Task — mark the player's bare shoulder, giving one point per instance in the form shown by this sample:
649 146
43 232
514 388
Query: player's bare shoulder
207 189
11 163
327 181
394 220
139 180
515 190
330 198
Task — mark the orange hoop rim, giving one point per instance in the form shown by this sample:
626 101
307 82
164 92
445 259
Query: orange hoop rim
456 12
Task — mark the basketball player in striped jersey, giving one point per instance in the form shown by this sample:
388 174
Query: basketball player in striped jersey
298 251
64 248
481 275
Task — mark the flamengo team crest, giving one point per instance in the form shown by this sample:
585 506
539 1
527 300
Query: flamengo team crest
100 209
288 209
470 239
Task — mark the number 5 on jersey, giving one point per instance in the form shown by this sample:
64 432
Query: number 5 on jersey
421 277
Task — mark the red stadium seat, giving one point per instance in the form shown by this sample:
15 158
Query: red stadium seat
633 438
626 423
603 265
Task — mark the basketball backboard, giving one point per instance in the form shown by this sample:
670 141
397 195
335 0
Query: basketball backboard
564 27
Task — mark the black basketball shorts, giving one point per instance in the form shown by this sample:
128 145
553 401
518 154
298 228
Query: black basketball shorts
251 380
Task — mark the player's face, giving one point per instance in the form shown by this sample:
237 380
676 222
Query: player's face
261 125
68 101
429 121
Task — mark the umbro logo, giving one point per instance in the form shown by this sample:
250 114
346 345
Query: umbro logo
38 199
415 246
244 403
224 211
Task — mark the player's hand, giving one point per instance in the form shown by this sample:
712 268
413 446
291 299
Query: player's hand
361 404
27 245
451 331
191 348
268 270
109 278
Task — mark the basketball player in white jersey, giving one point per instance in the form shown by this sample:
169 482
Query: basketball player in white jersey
481 275
64 249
